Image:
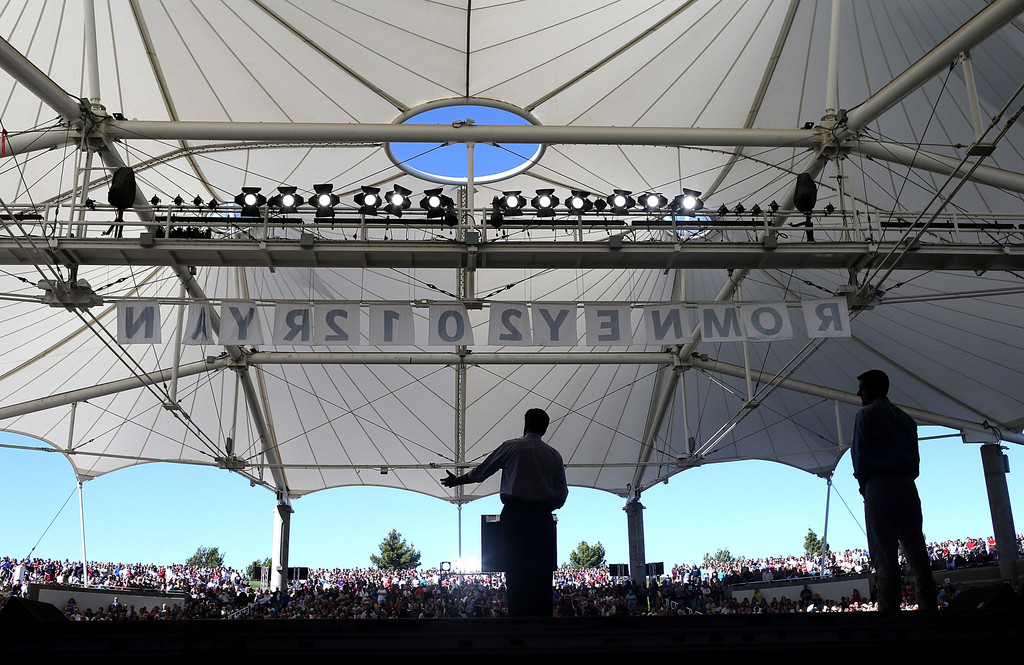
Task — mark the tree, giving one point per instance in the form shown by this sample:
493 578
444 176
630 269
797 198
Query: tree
587 556
721 556
812 544
396 554
206 557
253 571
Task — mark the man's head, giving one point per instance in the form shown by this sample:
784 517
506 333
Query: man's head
871 385
536 421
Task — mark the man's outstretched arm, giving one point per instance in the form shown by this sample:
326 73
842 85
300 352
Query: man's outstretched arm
451 480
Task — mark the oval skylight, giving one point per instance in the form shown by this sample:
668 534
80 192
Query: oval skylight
448 164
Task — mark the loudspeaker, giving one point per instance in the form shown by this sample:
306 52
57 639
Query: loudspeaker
492 544
23 610
999 596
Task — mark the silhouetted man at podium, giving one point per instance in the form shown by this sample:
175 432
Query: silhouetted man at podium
532 485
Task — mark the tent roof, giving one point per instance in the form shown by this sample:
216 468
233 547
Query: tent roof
943 328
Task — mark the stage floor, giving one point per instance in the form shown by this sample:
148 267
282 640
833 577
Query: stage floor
946 633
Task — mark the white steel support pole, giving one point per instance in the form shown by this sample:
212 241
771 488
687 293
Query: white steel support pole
81 522
972 94
995 466
983 24
91 54
848 398
81 498
172 392
279 558
229 445
635 532
824 535
459 510
832 86
414 133
41 85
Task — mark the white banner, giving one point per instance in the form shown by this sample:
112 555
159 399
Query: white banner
240 323
293 324
554 324
392 325
336 323
449 325
607 324
197 325
138 322
827 318
720 323
667 324
509 325
767 322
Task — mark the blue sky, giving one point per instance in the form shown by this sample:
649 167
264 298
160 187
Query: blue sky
161 513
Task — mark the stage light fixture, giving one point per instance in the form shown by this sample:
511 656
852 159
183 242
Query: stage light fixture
511 203
250 201
397 200
155 201
688 202
756 210
620 201
286 200
324 199
774 205
579 203
368 200
829 209
544 203
178 201
440 206
197 201
212 205
722 210
739 209
652 202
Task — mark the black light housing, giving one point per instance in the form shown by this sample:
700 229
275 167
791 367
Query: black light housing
439 206
688 202
739 209
508 204
286 200
544 203
197 201
652 201
324 200
250 201
512 203
579 203
368 200
620 201
178 201
155 201
397 200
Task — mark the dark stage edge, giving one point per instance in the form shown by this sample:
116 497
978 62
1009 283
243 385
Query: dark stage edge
944 634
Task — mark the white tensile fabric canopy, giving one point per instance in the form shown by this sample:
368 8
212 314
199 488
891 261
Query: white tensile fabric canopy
739 98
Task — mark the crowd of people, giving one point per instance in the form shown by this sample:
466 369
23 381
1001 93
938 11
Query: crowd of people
369 593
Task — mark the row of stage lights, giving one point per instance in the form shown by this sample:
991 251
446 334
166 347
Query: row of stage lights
371 201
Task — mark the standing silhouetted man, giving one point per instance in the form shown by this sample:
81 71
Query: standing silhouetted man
885 463
532 485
